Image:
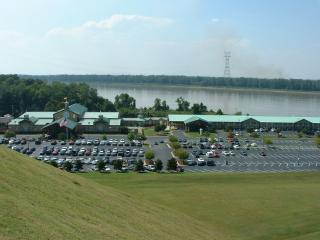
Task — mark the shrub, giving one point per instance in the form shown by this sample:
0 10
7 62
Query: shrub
173 138
149 155
254 135
104 137
175 145
181 154
9 134
318 141
250 130
131 136
267 140
159 128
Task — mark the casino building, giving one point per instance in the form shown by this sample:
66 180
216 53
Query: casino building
74 118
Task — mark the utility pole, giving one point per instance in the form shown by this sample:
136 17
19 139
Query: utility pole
227 71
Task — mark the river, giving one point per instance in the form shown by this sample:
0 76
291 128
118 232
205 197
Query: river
253 102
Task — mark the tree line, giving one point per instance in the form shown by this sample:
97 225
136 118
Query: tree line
18 95
241 82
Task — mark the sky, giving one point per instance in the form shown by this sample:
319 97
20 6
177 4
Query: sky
266 38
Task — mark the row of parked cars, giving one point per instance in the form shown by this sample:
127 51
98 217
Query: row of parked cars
87 151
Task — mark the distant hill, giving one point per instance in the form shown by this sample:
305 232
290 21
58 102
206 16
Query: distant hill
38 201
242 82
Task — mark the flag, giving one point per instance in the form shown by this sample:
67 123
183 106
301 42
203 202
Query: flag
64 122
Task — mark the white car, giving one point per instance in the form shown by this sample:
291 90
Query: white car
232 153
107 170
209 154
226 153
237 147
253 144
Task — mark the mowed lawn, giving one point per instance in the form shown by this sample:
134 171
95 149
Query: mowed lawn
247 206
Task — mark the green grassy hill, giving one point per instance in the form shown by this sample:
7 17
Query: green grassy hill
245 206
38 201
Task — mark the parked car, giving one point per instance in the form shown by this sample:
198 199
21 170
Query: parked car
191 162
201 162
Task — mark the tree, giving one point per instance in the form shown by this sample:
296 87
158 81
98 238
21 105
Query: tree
104 137
173 138
61 136
157 104
181 154
101 165
172 164
175 145
117 164
183 105
159 128
196 108
67 166
219 112
9 134
54 164
149 154
230 135
139 166
78 165
124 100
164 106
131 136
158 165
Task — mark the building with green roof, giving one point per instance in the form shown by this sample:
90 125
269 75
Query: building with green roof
75 118
207 122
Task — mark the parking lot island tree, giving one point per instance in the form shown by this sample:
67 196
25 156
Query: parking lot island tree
131 136
158 165
101 165
172 164
181 154
267 140
173 138
149 155
175 145
117 165
139 166
104 137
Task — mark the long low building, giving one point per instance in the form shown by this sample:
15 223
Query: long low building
208 122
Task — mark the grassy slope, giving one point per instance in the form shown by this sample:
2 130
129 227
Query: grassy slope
247 206
38 201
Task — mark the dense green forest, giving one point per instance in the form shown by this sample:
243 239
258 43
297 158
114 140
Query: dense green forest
278 84
18 95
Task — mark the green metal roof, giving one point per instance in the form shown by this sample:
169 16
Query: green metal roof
239 118
134 119
38 114
78 108
70 124
104 114
115 122
43 121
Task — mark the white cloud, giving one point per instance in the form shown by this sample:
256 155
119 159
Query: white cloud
110 23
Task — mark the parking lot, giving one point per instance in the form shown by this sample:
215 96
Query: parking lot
284 155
